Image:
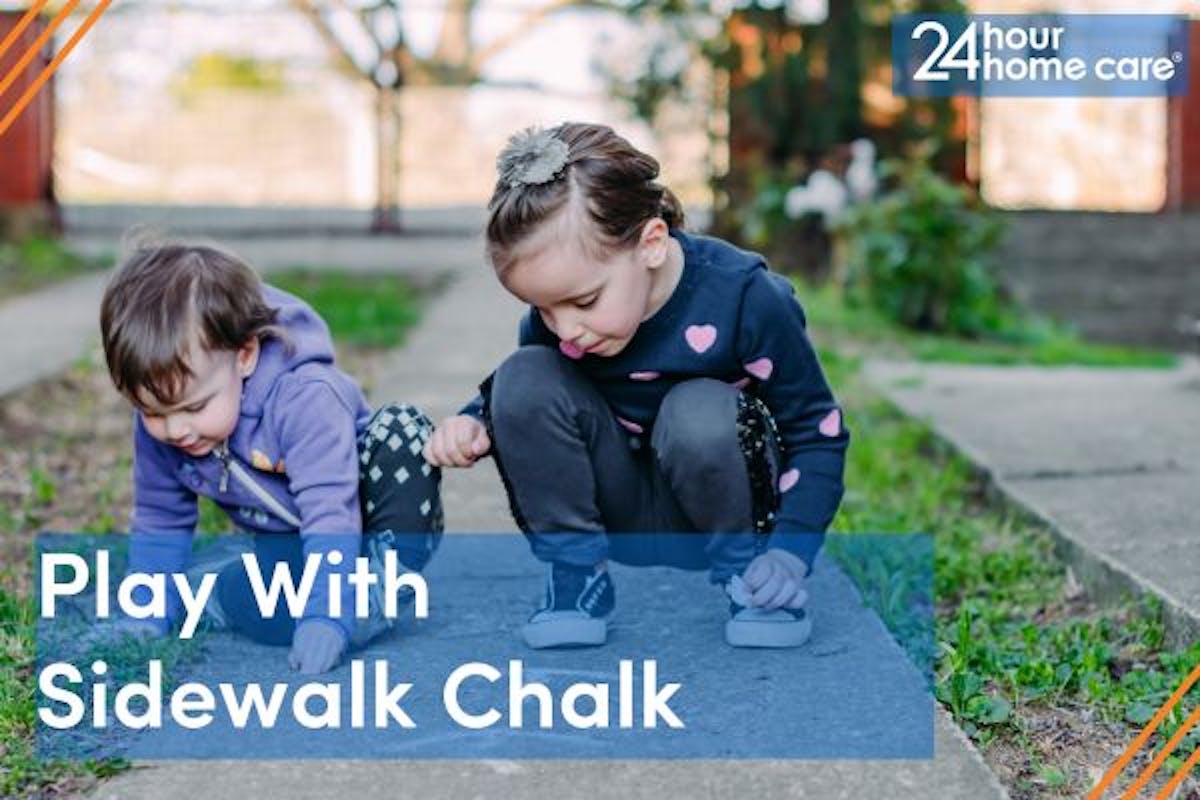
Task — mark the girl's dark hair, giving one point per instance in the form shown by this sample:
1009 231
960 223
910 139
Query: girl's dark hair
167 296
616 182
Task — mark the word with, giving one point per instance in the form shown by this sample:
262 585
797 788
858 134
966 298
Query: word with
145 595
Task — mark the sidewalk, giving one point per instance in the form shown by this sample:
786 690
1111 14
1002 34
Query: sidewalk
44 332
466 331
1109 458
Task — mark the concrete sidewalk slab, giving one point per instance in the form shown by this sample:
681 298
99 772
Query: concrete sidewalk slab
848 646
956 774
851 692
1107 457
44 332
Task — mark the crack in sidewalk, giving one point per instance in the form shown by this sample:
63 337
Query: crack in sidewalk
1170 467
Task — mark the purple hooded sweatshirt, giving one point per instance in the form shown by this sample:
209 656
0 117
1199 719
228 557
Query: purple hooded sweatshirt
296 439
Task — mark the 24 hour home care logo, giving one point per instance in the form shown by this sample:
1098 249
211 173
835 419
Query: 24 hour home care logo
1023 55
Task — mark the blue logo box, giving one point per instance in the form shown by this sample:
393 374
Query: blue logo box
1040 55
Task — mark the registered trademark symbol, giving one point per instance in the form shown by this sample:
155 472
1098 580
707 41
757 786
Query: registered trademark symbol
1177 57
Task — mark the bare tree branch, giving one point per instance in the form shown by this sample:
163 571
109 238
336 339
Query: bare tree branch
527 24
337 49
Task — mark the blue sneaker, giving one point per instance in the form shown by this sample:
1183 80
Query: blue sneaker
763 627
575 611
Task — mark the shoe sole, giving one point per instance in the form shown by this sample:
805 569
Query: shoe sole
570 632
745 633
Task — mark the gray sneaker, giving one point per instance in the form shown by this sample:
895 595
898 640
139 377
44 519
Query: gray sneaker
763 627
575 610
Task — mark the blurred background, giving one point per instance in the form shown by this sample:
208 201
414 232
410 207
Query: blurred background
774 120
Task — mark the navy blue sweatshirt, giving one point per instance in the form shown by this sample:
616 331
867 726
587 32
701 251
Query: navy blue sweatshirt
732 319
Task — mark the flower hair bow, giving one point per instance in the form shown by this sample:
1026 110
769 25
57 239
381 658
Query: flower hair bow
532 157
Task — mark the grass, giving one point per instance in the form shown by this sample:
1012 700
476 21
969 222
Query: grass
366 311
65 467
1033 341
39 261
1024 661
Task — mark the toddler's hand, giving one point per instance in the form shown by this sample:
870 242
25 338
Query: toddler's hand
458 442
775 579
316 647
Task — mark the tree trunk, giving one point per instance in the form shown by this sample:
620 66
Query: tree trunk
387 161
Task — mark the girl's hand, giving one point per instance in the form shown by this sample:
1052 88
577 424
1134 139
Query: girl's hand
459 441
316 647
775 579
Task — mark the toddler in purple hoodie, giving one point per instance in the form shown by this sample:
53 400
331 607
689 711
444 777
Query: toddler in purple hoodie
237 398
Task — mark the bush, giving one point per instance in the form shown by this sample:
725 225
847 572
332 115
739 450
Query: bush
796 246
920 254
216 70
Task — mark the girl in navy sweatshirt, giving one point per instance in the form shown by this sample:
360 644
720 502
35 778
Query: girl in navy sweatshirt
664 383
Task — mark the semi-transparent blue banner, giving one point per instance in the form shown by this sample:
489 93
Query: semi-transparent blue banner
1040 55
454 679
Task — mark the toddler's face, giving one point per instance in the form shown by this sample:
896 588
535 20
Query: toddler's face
594 305
209 404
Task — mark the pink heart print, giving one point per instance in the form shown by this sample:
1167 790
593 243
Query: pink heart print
832 424
788 479
643 376
632 427
760 368
570 350
700 337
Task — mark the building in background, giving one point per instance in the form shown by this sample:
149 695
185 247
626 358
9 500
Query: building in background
1133 154
26 148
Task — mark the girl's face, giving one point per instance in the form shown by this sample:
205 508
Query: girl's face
593 304
209 404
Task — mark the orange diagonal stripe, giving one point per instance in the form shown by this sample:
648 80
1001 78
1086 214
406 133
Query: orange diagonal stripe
16 110
1137 743
32 52
1168 748
1178 777
29 16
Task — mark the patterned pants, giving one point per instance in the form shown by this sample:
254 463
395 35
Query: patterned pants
401 510
398 490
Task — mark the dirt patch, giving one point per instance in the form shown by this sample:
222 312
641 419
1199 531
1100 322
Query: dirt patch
1080 748
1064 749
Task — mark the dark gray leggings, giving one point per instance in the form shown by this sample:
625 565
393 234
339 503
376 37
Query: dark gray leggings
401 502
573 474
